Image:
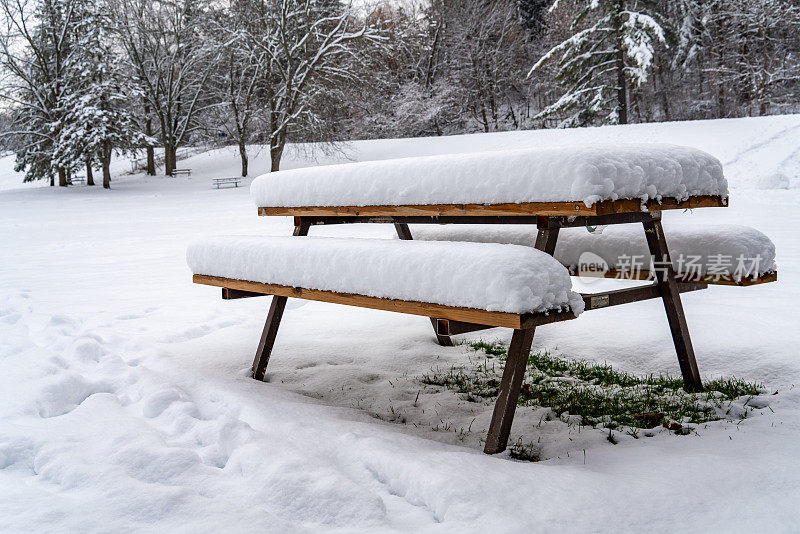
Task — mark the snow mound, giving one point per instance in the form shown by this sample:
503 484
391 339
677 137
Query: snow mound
703 249
589 173
488 276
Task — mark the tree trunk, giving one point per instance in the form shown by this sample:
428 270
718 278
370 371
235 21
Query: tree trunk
89 176
52 180
151 160
107 165
62 177
151 156
243 155
275 153
622 89
169 159
173 156
662 91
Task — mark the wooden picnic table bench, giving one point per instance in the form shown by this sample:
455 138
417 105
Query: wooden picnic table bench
77 180
235 180
274 192
176 172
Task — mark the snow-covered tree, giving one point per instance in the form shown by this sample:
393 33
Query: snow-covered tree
36 44
610 52
96 118
172 57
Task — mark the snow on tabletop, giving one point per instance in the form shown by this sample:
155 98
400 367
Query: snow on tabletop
587 173
710 246
488 276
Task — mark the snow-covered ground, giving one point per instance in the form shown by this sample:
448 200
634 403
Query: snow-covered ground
126 402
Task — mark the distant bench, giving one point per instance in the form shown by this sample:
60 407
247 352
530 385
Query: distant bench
235 180
75 180
176 172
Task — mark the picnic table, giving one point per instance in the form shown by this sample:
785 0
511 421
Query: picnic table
176 172
235 180
318 197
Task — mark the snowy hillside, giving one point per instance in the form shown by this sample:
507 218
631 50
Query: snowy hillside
126 402
759 152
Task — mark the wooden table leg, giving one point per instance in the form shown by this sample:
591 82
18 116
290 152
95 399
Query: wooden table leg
276 308
670 294
510 386
547 235
404 233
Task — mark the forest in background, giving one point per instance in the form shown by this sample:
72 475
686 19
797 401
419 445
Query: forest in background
83 79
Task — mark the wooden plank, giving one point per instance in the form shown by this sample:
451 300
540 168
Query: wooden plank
724 280
435 210
470 315
634 205
510 385
496 210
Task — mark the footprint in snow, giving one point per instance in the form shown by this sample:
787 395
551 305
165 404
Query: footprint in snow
88 350
67 394
10 318
201 330
61 320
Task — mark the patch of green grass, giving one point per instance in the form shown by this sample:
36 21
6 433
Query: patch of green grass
598 393
525 452
492 348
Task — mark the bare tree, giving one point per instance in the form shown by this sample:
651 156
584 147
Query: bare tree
236 81
170 56
482 55
304 43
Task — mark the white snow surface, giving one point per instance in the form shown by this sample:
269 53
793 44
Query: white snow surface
486 276
721 249
587 173
125 401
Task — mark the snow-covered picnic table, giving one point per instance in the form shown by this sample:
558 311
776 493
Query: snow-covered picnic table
470 278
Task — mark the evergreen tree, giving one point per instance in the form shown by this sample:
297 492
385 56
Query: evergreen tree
35 50
610 52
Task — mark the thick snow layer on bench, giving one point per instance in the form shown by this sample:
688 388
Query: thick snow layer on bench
552 174
714 249
488 276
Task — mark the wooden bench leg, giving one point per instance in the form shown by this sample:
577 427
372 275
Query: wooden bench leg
404 233
274 316
670 294
268 337
510 386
